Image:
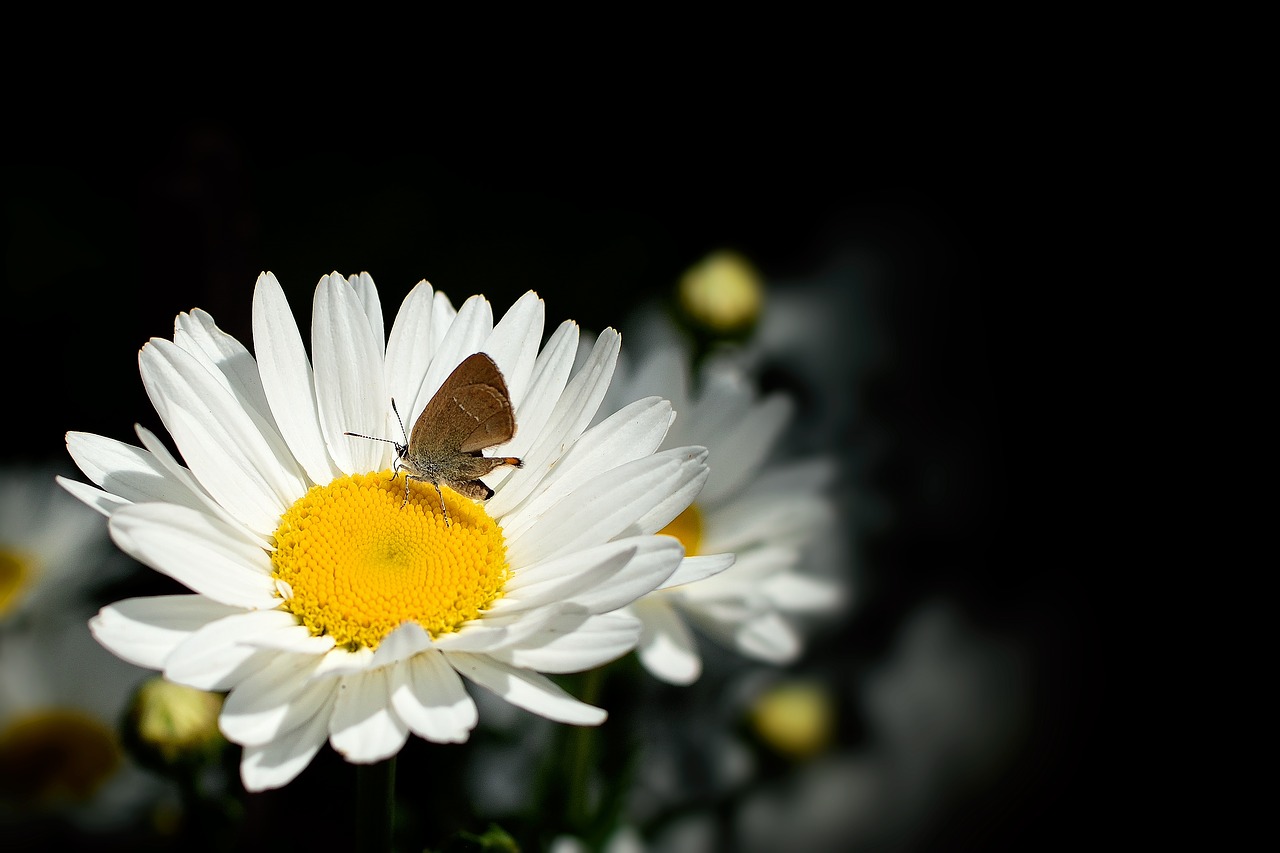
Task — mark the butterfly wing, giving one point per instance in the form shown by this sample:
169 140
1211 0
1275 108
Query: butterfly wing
470 412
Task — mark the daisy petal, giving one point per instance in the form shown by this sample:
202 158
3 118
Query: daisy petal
527 690
287 379
442 315
678 499
468 331
741 451
763 518
235 455
277 699
343 661
552 581
631 433
753 569
127 471
363 727
654 559
217 656
224 357
401 644
298 640
574 642
550 373
365 291
610 505
494 632
664 374
144 631
514 343
104 502
667 647
410 347
809 475
349 385
200 552
280 761
202 499
573 413
768 637
797 593
693 569
429 696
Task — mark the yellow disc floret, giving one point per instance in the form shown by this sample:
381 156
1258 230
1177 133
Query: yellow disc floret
687 527
360 561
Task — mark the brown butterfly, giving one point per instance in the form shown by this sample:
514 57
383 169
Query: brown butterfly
471 411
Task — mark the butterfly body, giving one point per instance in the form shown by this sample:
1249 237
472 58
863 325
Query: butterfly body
471 412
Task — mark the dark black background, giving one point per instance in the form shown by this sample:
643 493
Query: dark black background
113 226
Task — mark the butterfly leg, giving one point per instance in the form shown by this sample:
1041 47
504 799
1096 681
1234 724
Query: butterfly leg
443 508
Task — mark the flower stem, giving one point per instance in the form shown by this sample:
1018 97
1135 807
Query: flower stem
375 805
581 757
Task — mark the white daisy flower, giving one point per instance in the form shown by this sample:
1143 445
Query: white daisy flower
754 518
328 606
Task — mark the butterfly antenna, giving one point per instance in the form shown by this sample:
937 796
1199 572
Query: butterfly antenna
401 420
372 438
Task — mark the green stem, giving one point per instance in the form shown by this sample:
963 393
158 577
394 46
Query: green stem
580 757
375 805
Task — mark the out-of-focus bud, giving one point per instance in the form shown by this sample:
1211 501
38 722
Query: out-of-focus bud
797 718
170 724
722 294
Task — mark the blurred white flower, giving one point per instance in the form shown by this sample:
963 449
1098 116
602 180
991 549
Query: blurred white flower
62 698
53 550
331 604
749 574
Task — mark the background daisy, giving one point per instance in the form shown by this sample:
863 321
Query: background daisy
54 554
65 774
761 514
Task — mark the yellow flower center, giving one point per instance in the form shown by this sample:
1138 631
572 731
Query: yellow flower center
17 572
360 564
55 755
687 527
